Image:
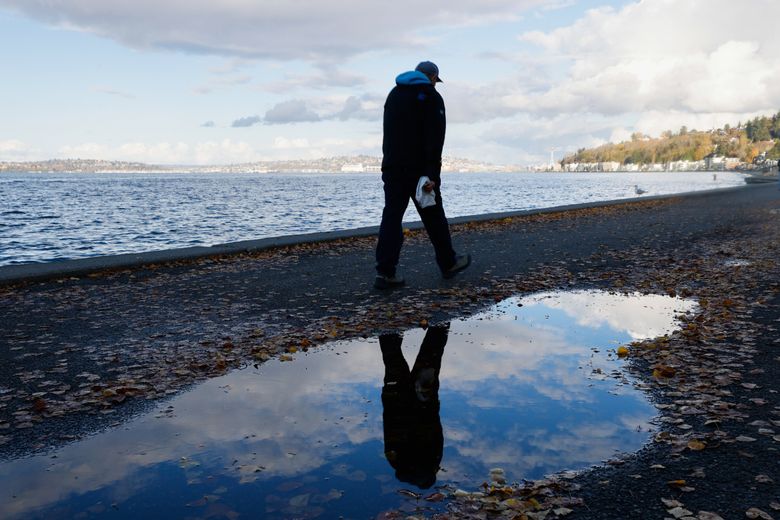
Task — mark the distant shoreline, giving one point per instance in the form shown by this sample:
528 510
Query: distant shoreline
331 172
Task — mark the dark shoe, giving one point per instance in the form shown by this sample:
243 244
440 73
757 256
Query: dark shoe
388 282
461 262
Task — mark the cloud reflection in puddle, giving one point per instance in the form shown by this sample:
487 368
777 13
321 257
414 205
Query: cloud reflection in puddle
531 385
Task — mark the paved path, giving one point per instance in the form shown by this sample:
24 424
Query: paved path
148 331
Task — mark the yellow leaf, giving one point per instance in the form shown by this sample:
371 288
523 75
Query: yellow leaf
622 351
696 445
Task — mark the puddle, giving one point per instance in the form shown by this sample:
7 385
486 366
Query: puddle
532 386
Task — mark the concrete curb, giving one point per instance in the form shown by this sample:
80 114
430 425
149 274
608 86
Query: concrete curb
13 274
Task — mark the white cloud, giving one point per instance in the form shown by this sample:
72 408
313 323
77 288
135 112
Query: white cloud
701 62
209 152
615 71
283 143
307 29
14 149
225 151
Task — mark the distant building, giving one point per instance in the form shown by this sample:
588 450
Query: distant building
714 162
609 166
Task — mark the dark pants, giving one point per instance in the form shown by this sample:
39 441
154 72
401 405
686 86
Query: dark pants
398 191
414 440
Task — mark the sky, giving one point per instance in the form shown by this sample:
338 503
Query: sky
232 81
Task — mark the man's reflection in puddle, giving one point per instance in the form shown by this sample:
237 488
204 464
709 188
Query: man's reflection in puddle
413 435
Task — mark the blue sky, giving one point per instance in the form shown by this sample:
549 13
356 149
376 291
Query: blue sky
210 82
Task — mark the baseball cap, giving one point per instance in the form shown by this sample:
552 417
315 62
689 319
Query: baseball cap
429 68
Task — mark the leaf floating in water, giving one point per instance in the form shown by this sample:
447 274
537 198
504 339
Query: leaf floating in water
409 493
622 351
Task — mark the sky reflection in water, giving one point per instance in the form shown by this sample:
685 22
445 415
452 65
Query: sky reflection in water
531 388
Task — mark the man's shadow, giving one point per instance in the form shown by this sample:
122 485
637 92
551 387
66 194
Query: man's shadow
413 434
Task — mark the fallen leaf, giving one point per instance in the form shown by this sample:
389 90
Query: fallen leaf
663 371
706 515
679 512
696 445
755 512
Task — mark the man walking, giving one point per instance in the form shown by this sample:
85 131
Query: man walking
414 127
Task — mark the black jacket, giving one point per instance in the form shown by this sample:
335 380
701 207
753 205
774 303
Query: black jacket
414 127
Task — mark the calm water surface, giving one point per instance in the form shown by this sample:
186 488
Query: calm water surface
48 217
531 386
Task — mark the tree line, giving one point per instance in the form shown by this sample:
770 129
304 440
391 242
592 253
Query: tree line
744 142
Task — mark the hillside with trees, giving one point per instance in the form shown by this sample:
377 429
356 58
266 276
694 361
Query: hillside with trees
743 142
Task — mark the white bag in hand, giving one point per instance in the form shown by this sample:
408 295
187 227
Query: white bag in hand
424 198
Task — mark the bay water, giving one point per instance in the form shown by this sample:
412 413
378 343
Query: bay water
47 217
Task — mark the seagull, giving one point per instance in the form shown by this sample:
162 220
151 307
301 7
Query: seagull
638 190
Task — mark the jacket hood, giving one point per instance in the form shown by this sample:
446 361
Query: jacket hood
412 77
